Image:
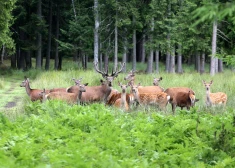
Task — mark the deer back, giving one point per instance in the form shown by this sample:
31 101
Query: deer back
150 89
218 98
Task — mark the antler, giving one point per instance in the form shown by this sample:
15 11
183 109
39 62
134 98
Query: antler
115 74
97 70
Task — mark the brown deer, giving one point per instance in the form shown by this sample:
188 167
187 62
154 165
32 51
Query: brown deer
77 82
122 102
32 93
142 89
106 76
181 97
70 98
93 93
214 98
160 98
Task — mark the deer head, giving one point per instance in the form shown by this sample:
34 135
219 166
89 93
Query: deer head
25 82
106 76
156 81
130 76
207 85
77 81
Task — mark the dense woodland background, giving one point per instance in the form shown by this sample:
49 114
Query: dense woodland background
149 31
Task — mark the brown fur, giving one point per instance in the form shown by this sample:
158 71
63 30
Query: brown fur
93 93
214 98
58 90
70 98
34 94
180 96
156 98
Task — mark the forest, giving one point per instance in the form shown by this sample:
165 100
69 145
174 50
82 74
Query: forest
179 51
173 32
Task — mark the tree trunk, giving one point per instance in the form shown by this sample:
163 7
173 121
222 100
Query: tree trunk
179 60
172 61
150 58
220 67
202 62
143 49
96 31
13 61
216 65
168 56
134 47
28 60
214 36
106 62
198 64
157 60
57 37
124 56
3 53
101 57
116 45
39 38
48 56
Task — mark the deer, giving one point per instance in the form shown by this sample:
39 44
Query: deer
214 98
142 89
122 102
158 98
181 97
32 93
93 93
70 98
101 92
77 82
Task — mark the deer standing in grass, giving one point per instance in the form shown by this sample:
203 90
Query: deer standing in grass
122 102
214 98
101 92
155 98
142 89
32 93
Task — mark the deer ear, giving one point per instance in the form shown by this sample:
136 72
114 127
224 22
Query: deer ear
196 100
86 84
101 81
160 78
211 82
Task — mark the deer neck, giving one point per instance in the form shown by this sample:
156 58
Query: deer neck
208 98
136 96
28 89
123 99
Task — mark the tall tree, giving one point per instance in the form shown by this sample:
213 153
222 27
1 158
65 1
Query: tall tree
39 37
96 30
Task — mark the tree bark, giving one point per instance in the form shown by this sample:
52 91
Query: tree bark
202 62
96 31
220 67
172 61
3 53
168 56
124 56
150 58
13 61
214 36
179 60
143 57
39 38
198 64
157 60
116 45
134 47
48 56
57 37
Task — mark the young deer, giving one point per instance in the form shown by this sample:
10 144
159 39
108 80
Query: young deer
32 93
214 98
159 98
122 102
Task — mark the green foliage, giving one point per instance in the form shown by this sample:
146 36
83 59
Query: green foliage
58 135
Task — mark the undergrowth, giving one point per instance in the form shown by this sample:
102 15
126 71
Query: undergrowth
55 134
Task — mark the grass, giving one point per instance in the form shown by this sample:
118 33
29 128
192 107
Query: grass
55 79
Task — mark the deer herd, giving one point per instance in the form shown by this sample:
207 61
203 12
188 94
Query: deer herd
138 95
